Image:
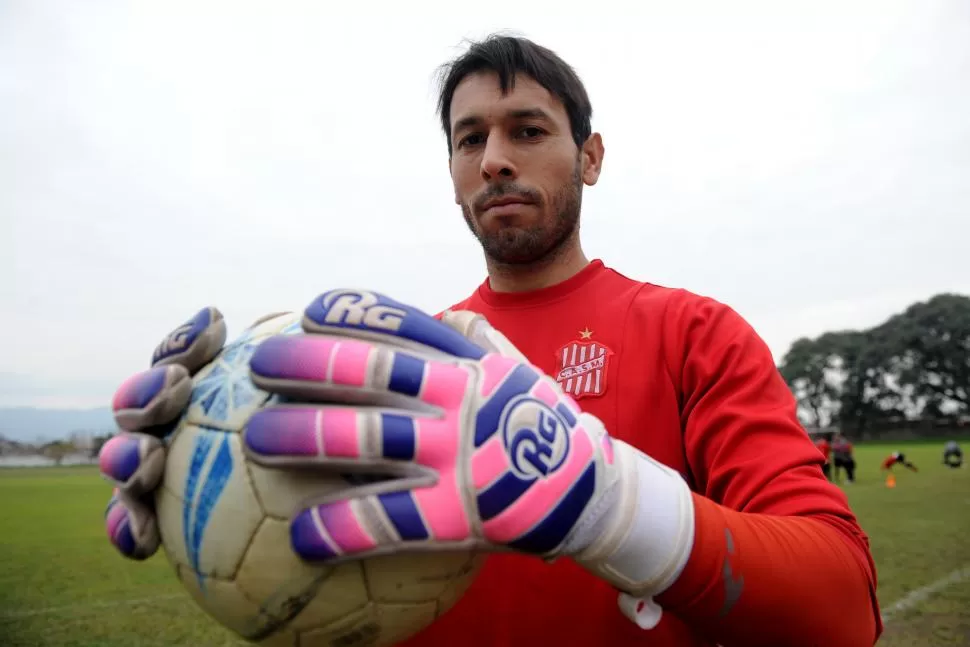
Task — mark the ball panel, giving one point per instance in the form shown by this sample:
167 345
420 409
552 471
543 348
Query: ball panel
357 629
282 492
169 497
377 625
206 507
457 587
416 577
223 396
283 323
225 603
273 577
401 621
339 595
168 509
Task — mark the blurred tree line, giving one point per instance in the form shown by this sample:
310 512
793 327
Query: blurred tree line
913 366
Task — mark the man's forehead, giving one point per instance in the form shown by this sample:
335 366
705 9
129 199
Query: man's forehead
479 95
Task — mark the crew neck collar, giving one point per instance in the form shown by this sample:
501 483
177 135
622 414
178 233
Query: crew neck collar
542 295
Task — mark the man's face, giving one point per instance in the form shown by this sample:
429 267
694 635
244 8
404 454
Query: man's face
517 172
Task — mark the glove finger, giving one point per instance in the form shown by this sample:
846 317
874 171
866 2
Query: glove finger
195 343
382 442
319 368
324 368
375 317
134 462
479 331
131 527
152 398
351 529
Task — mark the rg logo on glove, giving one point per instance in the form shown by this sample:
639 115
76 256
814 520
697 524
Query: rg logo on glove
361 309
536 438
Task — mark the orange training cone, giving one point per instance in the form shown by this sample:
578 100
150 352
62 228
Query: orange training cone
891 480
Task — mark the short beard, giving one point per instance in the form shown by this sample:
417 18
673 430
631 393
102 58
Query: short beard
540 242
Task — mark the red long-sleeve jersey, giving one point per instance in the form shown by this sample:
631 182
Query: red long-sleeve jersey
778 556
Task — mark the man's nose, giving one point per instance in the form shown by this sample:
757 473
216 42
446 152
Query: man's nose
497 163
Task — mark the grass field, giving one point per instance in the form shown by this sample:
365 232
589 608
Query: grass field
62 585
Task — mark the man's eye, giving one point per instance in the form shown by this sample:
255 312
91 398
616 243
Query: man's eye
470 140
531 132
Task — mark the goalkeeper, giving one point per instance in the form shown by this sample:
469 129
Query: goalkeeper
640 479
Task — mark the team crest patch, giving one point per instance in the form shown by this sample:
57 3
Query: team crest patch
582 366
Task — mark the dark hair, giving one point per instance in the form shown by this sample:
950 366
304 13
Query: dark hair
511 55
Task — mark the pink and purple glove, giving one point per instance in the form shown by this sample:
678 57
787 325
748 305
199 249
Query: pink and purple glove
461 444
146 407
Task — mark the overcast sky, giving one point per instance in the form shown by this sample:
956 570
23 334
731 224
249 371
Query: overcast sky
807 163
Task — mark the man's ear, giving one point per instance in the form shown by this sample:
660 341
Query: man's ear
592 159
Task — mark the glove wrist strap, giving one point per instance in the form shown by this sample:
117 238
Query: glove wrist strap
645 541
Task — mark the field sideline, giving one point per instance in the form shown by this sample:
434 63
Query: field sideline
62 585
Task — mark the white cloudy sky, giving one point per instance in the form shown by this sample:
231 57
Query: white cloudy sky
806 162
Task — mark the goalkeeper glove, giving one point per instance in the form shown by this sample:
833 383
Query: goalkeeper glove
472 447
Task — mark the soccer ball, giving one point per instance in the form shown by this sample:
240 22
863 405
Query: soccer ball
225 529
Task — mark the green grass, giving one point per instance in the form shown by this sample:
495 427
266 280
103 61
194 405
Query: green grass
919 532
62 585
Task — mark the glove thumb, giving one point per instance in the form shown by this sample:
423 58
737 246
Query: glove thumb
479 331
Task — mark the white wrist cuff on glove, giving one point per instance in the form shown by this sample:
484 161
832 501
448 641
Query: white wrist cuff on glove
645 541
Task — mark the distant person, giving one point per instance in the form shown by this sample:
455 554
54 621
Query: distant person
952 455
898 458
823 445
842 458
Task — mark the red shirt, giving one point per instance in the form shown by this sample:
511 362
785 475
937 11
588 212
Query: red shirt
891 460
686 380
824 447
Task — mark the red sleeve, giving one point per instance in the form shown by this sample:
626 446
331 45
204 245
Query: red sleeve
778 556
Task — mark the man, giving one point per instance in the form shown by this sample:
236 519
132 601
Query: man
952 454
825 448
731 535
842 457
897 458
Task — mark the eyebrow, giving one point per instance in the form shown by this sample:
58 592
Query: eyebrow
524 113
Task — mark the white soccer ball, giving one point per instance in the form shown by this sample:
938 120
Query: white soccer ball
225 529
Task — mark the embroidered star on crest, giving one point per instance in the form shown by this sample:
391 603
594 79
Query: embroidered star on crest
585 333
